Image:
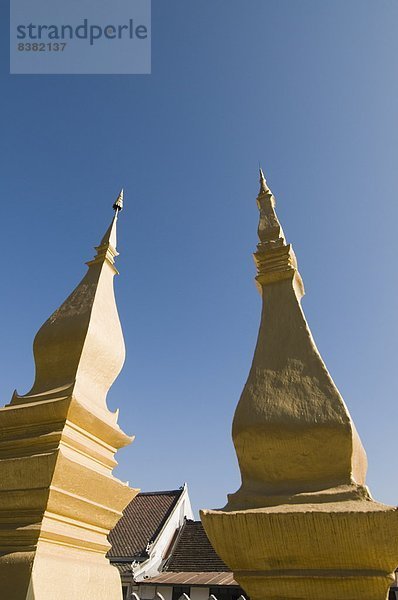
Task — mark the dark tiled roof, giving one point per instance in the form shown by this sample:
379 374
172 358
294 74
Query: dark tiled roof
193 551
141 522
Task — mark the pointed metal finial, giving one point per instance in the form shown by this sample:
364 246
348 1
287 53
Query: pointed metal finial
264 189
118 204
107 247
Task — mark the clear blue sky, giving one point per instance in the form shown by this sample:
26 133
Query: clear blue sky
309 88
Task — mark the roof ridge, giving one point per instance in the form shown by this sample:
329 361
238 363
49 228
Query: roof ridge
161 493
166 517
174 545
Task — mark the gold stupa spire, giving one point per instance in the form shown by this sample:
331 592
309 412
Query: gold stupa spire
84 332
289 390
58 496
303 523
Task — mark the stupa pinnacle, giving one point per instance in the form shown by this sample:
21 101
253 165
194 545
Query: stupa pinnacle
303 524
269 231
118 204
264 189
58 497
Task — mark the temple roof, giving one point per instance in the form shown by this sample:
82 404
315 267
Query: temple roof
141 523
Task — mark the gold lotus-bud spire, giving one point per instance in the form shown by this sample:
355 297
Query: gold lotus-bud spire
84 331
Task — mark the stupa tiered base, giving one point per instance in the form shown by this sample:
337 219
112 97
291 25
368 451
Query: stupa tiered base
58 499
328 551
48 571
